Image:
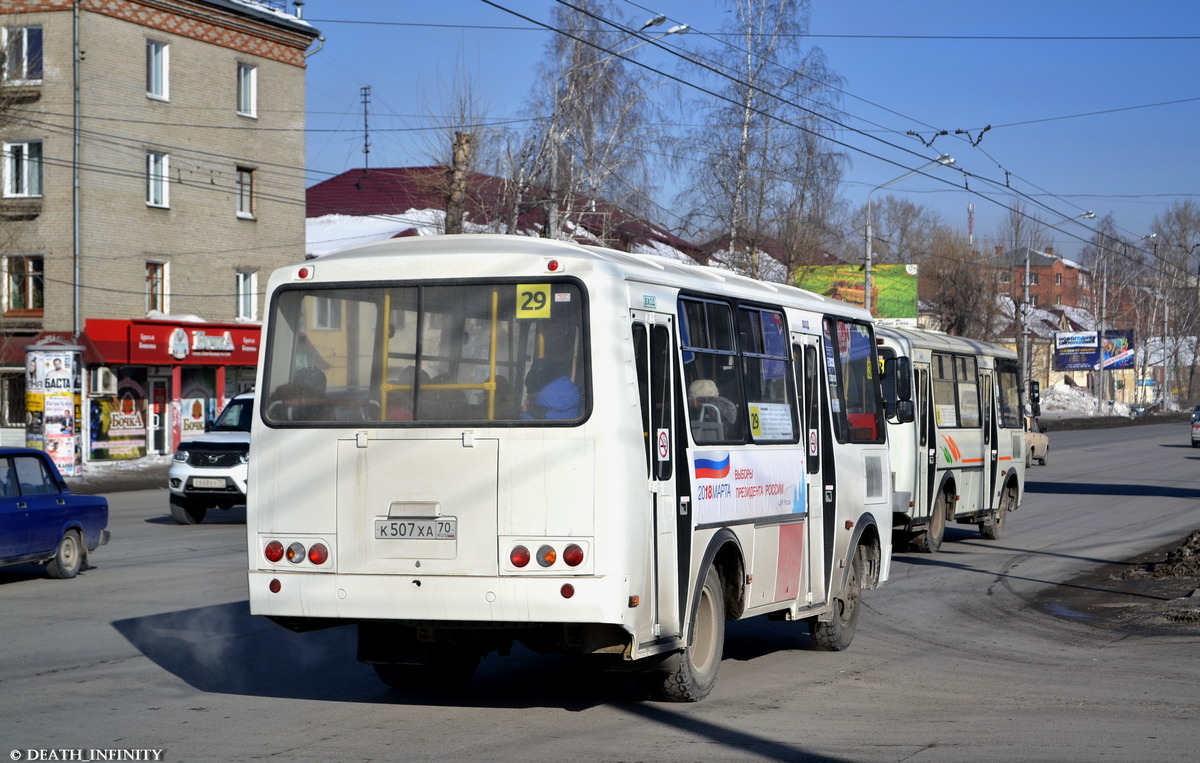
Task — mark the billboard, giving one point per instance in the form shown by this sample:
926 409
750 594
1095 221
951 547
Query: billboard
893 287
1083 350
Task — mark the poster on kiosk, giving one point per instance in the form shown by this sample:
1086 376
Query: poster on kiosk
52 403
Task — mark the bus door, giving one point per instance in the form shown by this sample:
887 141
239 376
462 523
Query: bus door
810 394
926 482
654 355
987 393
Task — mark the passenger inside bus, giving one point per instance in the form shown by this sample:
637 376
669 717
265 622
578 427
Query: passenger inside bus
550 393
710 412
301 399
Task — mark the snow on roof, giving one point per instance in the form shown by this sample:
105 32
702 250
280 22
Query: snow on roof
265 8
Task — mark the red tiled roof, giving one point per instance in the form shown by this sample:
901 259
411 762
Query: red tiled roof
395 190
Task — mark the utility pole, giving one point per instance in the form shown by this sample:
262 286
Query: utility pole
365 91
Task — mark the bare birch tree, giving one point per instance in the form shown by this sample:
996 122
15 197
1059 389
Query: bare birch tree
598 118
763 173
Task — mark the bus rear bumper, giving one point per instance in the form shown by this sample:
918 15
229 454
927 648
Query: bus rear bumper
500 600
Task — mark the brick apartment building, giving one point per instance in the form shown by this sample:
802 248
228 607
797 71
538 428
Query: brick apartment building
153 155
1053 281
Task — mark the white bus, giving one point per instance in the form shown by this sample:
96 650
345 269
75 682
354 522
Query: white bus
957 450
464 442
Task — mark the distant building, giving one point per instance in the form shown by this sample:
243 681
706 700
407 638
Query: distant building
1053 280
156 174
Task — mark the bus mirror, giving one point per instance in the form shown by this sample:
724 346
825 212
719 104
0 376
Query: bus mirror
1035 399
899 372
906 412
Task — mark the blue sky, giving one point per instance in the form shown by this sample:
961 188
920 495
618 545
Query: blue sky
1088 117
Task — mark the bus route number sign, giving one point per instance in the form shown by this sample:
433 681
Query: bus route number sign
417 528
533 300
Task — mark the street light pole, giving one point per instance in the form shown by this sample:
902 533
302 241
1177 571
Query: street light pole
945 159
1025 368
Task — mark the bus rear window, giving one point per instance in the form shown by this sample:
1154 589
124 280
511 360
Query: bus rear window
509 353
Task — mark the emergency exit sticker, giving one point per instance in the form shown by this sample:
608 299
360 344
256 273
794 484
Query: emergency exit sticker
533 300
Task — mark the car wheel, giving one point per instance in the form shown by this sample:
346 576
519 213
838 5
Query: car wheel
1045 456
187 512
68 559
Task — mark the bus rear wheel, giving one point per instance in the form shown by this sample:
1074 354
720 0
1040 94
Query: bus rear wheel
693 672
930 541
836 634
993 527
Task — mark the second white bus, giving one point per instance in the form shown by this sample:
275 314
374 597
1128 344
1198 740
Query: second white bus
957 451
464 442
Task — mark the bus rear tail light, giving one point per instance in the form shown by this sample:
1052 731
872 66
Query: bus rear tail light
550 554
274 551
519 556
295 553
573 555
567 590
318 554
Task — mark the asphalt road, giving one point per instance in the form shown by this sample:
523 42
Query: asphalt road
154 649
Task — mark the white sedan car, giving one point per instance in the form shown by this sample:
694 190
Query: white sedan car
1037 444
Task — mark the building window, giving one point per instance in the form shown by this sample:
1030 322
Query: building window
12 399
24 285
247 294
245 192
1005 276
158 61
23 168
247 90
1058 279
1033 279
22 55
156 287
327 313
1033 300
158 167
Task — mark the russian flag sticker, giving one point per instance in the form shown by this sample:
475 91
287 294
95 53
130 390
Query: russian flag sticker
712 466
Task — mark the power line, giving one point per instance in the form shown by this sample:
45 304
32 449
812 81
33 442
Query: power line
830 36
